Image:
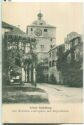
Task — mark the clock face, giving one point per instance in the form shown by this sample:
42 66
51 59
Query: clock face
38 32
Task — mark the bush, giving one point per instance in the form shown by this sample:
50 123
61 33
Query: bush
73 78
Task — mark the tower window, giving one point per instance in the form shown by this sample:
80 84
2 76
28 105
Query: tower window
31 29
41 23
45 30
42 46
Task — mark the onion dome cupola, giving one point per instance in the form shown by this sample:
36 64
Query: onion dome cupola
40 15
39 21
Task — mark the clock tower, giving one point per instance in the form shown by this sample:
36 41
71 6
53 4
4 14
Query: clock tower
44 35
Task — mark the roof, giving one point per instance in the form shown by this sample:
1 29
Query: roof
55 47
45 26
40 22
6 25
17 32
14 30
73 35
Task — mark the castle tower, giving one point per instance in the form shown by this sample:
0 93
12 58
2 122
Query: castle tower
44 35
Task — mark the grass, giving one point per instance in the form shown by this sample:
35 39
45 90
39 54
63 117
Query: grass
18 94
24 89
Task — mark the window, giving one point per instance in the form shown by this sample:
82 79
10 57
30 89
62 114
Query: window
42 46
50 54
45 30
53 53
77 54
50 64
31 29
53 63
41 23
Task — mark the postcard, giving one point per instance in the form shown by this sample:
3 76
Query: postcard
42 62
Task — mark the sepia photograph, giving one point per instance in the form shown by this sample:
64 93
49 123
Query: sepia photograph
42 56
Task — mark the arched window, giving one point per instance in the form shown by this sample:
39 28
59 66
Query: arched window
50 64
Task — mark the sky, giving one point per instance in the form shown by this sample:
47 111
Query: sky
66 17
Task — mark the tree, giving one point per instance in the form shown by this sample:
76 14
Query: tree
40 74
70 70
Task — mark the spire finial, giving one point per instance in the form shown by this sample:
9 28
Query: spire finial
40 15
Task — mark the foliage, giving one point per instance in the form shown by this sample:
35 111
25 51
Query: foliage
40 75
71 71
14 60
